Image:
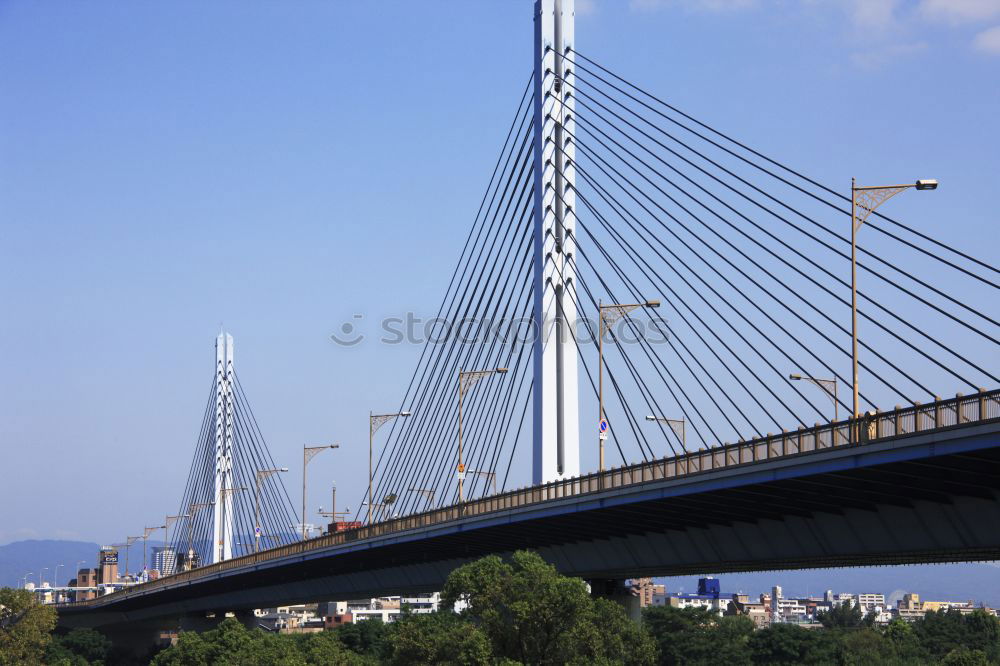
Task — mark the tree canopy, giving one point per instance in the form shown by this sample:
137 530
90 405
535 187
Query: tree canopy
25 627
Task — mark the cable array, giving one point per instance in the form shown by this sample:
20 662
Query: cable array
486 315
750 260
272 505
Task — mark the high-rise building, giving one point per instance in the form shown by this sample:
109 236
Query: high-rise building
165 560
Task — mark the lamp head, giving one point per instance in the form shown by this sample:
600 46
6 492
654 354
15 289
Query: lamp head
795 376
282 469
406 413
927 184
652 304
501 370
650 417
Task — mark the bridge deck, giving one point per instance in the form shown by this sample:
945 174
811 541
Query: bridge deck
696 472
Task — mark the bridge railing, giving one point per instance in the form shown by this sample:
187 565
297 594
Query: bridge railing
874 426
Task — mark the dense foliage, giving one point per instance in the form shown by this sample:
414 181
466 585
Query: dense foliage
25 627
522 611
695 637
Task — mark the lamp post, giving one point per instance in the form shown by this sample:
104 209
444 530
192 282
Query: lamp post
376 421
608 315
55 576
829 386
426 493
170 520
40 574
867 199
193 510
129 540
261 475
677 425
466 380
146 531
491 477
224 495
308 453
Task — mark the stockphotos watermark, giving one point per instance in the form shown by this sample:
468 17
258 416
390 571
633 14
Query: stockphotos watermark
411 329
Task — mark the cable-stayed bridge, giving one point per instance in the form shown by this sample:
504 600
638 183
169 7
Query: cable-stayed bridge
762 359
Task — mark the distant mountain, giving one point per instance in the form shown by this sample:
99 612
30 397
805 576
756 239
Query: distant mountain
979 581
20 557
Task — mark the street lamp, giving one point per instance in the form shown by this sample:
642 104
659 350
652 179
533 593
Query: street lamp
308 453
466 380
225 494
608 315
426 493
193 510
868 198
40 574
677 425
146 531
491 477
55 576
261 475
376 421
829 386
170 520
129 540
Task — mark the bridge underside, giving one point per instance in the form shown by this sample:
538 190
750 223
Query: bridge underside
922 499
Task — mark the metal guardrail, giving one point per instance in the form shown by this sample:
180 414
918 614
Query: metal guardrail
872 427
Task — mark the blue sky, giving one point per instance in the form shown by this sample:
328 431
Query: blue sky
277 168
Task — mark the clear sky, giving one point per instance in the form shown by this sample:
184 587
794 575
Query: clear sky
277 167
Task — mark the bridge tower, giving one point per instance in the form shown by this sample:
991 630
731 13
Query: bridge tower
556 437
222 507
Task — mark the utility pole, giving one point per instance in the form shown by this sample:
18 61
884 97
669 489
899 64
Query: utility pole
556 437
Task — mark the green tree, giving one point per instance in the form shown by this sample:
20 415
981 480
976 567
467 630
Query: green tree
25 627
905 643
965 656
533 615
79 646
844 615
326 649
698 636
435 638
362 637
866 647
781 644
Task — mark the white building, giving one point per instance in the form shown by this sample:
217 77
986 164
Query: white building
869 601
165 560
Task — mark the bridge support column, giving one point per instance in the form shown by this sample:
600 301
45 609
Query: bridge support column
615 589
556 437
224 496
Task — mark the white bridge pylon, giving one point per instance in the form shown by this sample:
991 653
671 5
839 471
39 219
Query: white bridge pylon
222 523
556 436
